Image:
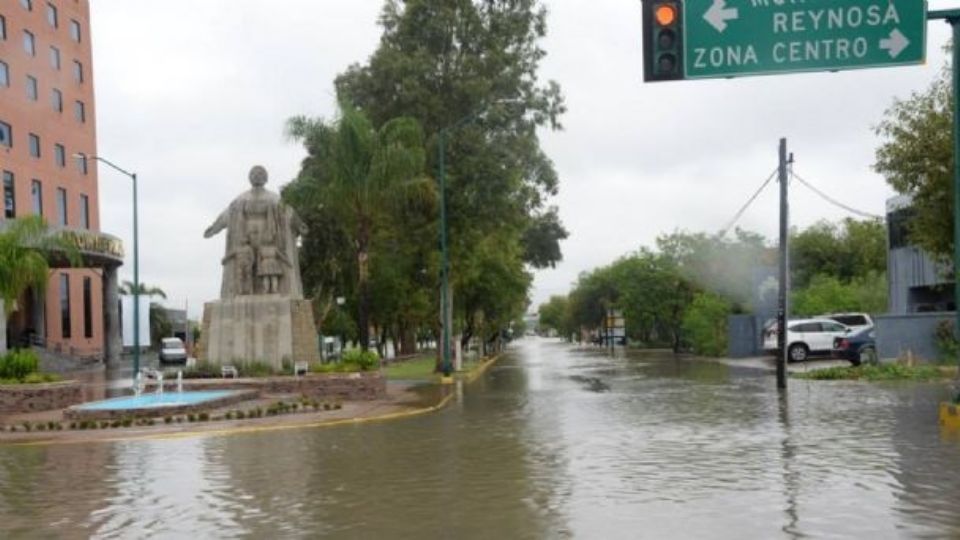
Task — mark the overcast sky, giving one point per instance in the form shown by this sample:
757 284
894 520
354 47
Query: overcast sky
192 93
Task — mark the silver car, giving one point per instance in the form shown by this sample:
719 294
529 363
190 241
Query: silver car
172 351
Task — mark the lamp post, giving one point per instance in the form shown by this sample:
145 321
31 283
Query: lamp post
444 252
136 261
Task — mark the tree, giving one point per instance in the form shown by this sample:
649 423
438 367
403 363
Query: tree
555 314
705 324
916 157
361 174
127 288
26 246
445 61
848 250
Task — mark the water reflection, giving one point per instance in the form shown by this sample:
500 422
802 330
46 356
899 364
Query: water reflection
554 442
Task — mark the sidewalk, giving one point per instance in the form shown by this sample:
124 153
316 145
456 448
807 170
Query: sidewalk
769 364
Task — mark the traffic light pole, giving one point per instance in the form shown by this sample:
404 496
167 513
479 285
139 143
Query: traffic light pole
784 289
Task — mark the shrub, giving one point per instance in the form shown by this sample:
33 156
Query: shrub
257 369
17 364
39 378
705 324
203 370
946 342
365 360
204 417
168 419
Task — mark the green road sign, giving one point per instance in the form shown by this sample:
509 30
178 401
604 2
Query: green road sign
732 38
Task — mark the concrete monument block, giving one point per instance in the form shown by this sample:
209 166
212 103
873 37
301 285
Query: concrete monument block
261 315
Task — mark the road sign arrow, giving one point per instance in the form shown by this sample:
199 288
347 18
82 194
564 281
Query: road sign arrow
896 43
719 14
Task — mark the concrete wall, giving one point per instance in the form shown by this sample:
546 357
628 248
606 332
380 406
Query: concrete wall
24 398
913 332
343 386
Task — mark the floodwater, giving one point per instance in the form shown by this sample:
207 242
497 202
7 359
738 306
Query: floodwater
553 442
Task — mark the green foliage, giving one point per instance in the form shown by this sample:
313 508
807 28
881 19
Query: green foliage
467 72
827 294
18 364
259 369
916 157
365 360
879 372
26 244
339 367
947 344
705 324
846 251
555 314
355 178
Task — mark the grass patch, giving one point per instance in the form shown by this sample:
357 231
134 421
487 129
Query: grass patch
420 367
882 372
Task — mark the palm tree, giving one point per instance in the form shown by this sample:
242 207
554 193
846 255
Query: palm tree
25 246
144 290
363 174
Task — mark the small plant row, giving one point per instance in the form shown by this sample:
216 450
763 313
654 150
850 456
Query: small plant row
275 409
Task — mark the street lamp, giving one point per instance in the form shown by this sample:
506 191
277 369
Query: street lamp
136 262
445 256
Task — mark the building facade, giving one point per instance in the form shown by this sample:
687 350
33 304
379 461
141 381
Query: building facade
47 121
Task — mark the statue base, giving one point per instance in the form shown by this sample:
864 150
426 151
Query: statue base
268 329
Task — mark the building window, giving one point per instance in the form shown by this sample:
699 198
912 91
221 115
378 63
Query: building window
34 145
3 28
85 212
60 155
81 165
65 306
6 134
56 100
4 74
52 15
75 30
61 207
9 199
28 44
27 4
79 112
36 197
77 71
55 58
32 91
87 307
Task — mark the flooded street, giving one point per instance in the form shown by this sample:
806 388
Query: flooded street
553 442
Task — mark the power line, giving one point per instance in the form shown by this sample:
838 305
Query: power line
833 201
739 214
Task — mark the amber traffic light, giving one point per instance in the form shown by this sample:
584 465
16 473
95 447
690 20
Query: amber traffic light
662 40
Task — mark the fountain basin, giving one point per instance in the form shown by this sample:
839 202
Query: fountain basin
153 405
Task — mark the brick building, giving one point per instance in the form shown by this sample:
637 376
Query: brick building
47 118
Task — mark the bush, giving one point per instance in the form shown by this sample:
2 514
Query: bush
258 369
17 364
705 324
365 360
946 342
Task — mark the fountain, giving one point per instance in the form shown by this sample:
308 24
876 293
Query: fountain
157 403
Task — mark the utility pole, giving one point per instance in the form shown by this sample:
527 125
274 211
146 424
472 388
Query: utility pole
782 306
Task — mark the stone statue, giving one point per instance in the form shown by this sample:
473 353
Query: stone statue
261 249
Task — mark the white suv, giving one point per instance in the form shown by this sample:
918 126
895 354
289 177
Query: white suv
853 321
806 337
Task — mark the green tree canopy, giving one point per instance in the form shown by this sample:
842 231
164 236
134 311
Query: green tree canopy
352 182
916 157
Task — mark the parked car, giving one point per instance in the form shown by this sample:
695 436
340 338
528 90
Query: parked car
853 321
806 337
172 351
858 347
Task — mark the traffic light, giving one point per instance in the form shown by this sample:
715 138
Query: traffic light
662 40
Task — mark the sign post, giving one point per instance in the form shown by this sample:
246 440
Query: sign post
734 38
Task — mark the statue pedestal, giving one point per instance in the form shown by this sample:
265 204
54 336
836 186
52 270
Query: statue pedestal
269 329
